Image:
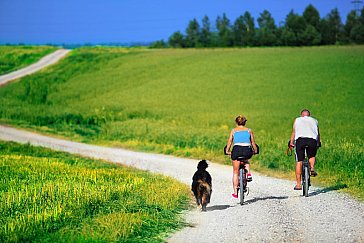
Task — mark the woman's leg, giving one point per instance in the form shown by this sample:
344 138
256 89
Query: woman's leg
236 165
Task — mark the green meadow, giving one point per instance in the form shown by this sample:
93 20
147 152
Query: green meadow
184 101
48 196
15 57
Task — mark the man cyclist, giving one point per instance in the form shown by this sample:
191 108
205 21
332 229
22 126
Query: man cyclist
305 133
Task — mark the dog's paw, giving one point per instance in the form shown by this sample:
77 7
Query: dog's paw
203 208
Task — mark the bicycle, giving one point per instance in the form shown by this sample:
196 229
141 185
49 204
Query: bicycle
305 175
242 180
243 174
305 171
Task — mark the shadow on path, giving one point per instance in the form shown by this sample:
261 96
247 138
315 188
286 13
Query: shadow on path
328 189
264 198
217 207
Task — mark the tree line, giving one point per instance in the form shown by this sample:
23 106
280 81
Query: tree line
308 29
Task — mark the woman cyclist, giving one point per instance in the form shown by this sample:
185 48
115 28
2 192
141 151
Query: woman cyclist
242 139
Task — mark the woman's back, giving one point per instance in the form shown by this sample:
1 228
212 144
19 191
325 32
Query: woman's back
242 136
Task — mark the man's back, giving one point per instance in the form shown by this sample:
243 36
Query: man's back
306 127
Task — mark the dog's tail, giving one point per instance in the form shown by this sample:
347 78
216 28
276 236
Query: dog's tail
205 190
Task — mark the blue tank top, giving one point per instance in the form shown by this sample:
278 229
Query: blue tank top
242 136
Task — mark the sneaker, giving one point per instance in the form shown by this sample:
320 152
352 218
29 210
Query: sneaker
249 177
234 195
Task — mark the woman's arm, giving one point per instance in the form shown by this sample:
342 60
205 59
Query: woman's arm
230 141
252 141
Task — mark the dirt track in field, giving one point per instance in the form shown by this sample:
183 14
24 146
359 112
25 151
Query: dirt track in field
42 63
273 211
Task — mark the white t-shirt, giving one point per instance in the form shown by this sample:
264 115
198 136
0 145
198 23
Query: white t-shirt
305 127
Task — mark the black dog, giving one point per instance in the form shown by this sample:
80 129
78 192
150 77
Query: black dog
202 185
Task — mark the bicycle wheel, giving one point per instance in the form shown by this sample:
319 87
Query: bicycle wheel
242 185
305 180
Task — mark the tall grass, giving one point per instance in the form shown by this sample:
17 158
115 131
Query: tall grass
16 57
184 102
55 197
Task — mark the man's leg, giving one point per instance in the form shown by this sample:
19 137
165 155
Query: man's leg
312 161
311 153
298 174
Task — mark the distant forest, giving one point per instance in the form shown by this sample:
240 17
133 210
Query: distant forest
308 29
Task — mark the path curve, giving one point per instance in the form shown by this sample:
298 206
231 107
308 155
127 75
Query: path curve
42 63
273 212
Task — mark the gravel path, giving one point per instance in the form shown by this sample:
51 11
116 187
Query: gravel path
42 63
274 212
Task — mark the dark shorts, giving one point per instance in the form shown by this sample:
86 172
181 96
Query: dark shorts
300 146
241 151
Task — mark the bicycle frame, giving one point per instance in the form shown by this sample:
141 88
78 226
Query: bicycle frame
242 187
305 175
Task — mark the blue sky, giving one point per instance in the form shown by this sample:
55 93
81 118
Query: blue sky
123 21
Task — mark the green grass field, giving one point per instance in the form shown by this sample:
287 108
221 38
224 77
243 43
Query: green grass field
184 102
48 196
16 57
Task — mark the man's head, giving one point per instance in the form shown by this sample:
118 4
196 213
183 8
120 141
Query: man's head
305 112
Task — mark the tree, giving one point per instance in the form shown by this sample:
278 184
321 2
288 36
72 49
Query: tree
311 36
279 33
158 44
267 27
312 16
176 40
224 31
206 37
351 22
244 30
288 37
193 34
239 30
296 24
250 29
357 32
331 28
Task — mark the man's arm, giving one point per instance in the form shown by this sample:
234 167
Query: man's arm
291 143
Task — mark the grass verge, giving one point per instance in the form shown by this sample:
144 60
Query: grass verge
48 196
